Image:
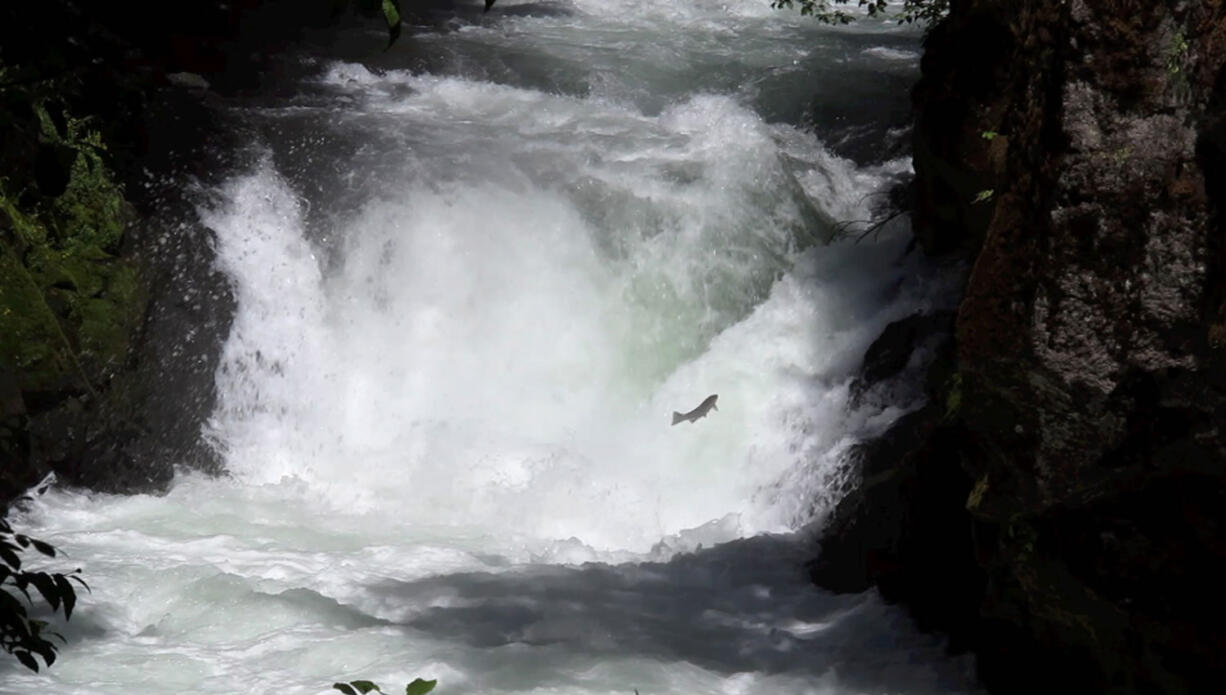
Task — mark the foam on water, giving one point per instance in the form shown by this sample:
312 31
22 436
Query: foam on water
506 353
449 381
225 587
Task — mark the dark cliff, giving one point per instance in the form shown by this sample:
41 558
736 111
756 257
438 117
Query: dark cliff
1062 508
111 312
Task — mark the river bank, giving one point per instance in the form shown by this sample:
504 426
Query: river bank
1060 499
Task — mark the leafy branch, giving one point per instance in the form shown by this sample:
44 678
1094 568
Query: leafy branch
417 687
21 635
927 12
872 227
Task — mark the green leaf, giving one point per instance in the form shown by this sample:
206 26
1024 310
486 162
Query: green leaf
44 548
47 587
27 660
365 686
67 593
391 13
9 605
344 688
989 135
420 687
48 653
21 581
10 558
983 195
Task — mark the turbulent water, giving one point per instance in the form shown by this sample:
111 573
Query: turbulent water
475 275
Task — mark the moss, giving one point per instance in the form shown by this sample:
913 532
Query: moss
92 211
68 305
26 229
953 396
76 270
976 496
30 342
1176 51
107 320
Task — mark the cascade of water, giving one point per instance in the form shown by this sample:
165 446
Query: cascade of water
471 289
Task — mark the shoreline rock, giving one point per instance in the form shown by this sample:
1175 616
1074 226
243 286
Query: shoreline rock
113 314
1067 508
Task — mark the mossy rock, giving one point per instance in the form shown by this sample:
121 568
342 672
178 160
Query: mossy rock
31 343
68 305
92 211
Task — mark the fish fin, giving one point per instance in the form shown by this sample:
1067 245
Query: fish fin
677 417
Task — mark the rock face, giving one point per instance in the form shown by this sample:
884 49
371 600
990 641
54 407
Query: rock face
112 314
1068 500
111 311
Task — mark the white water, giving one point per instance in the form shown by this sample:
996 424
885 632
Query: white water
470 293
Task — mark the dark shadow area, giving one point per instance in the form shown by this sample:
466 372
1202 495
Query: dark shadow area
1211 155
745 606
442 14
840 123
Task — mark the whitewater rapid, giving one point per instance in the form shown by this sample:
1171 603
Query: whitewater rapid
474 276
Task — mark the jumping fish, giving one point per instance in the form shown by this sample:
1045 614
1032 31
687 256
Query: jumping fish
701 411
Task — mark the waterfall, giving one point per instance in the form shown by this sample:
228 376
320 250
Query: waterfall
474 276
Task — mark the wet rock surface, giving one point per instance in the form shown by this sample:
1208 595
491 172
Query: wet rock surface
1068 475
124 425
113 312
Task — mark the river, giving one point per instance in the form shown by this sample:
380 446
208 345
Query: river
475 275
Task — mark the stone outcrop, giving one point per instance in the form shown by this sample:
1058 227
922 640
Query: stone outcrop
113 323
111 312
1066 499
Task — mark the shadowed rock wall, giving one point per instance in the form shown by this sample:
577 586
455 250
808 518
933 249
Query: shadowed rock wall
1066 506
